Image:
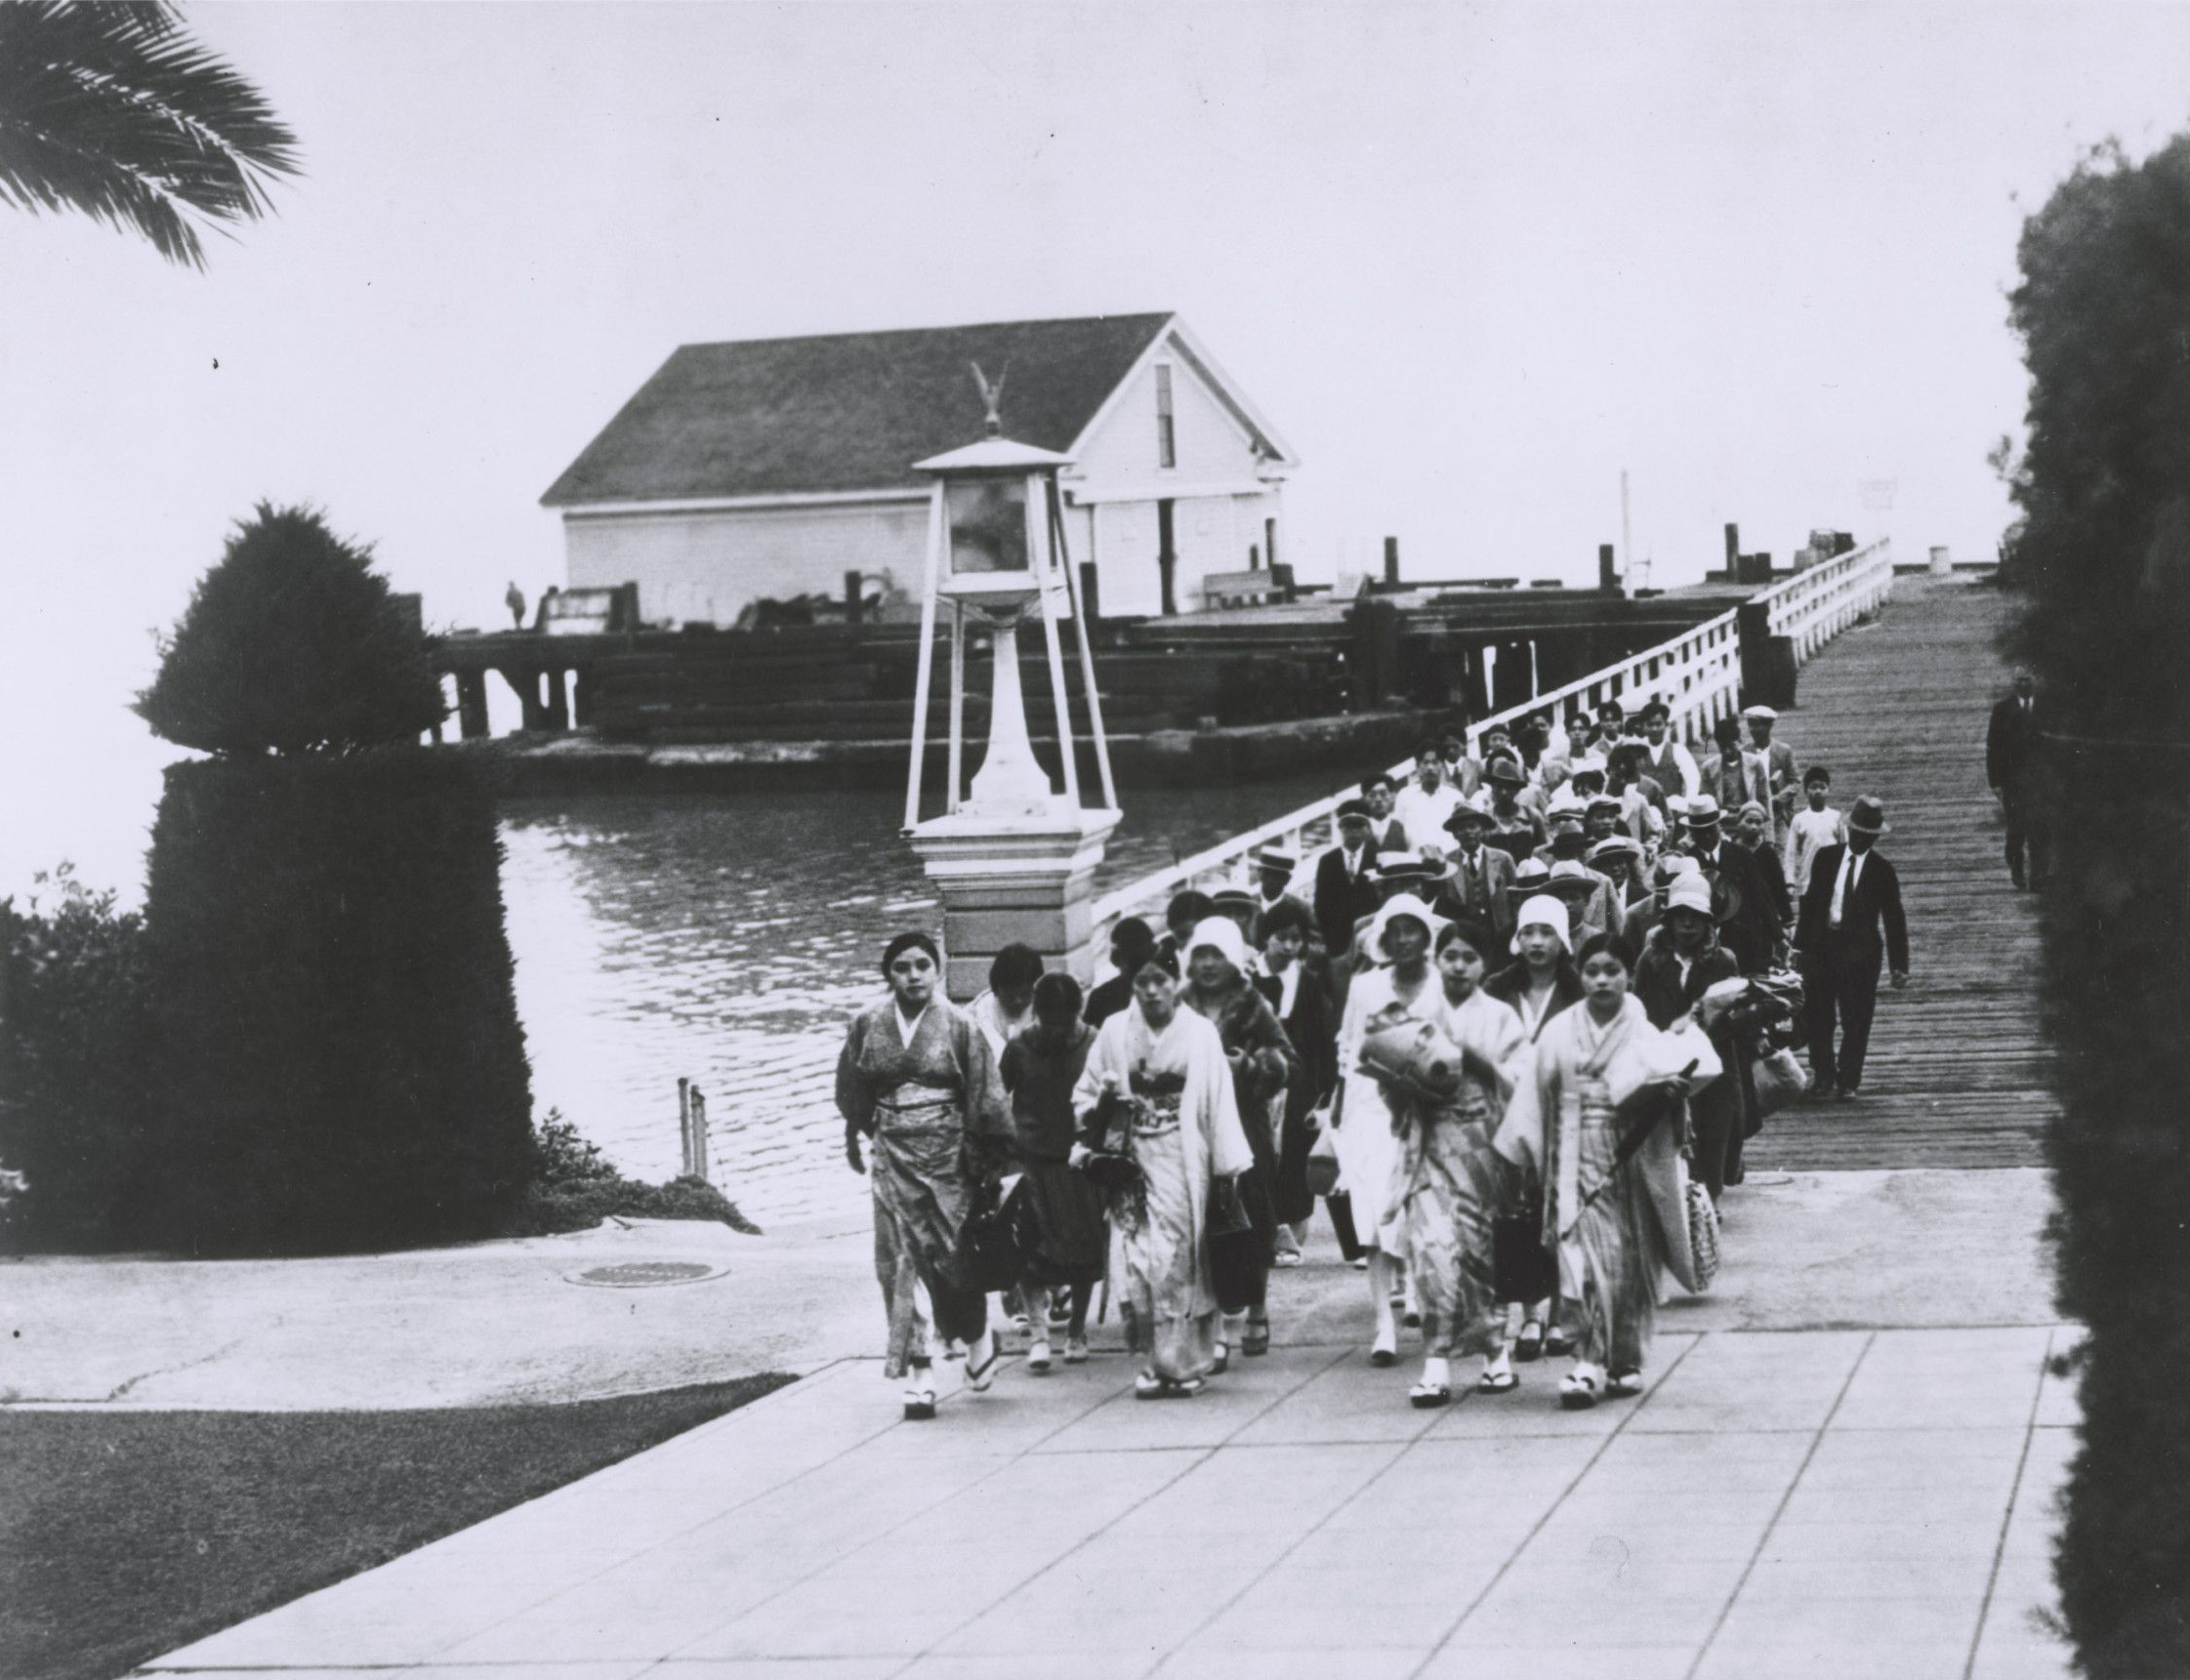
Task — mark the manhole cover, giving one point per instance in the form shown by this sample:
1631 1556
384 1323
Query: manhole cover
646 1274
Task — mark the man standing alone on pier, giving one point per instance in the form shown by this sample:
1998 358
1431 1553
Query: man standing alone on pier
2011 763
1853 892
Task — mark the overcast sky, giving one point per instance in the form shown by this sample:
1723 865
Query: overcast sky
1472 260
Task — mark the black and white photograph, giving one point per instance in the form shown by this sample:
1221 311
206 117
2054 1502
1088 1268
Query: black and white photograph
1245 840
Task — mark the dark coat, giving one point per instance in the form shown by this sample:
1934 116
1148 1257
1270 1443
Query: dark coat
1752 932
2011 742
1664 997
1339 902
1510 981
1873 902
1480 890
1313 1029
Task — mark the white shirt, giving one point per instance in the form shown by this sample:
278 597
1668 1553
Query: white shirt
1810 834
1422 812
1288 988
906 1029
1354 861
1851 872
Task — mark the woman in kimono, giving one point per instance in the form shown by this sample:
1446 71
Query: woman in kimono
1368 1149
1297 994
1161 1069
1604 1221
917 1079
1453 1182
1539 983
1261 1069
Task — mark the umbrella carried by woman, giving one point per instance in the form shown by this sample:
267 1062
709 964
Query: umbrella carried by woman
1158 1088
1614 1210
917 1080
1261 1065
1447 1085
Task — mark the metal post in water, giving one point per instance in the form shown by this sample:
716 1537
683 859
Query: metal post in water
685 1123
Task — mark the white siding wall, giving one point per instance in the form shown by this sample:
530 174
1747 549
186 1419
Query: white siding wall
1123 450
706 566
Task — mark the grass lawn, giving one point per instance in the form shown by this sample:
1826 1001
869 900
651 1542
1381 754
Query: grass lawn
125 1534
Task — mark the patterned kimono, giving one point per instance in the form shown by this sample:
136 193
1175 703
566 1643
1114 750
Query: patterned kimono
1453 1183
1186 1131
1368 1145
936 1114
1248 1028
1612 1253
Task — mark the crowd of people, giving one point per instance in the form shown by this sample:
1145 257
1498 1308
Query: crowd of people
1512 1031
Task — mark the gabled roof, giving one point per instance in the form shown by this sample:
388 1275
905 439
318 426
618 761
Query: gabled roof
849 411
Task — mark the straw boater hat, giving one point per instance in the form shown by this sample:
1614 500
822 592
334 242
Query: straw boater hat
1614 845
1603 802
1867 817
1234 898
1276 857
1425 868
1529 876
1761 714
1702 812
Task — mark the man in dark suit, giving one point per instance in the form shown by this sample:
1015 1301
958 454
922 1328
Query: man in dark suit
1480 889
1852 892
1345 881
1748 926
2011 763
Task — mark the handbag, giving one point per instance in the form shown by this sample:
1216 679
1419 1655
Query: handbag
1522 1269
1323 1162
987 1257
1237 1261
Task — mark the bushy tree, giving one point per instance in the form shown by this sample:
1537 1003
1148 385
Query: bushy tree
2102 551
292 645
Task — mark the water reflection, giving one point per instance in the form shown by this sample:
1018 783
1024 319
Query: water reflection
726 940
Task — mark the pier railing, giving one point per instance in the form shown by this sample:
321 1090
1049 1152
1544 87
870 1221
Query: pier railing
1697 675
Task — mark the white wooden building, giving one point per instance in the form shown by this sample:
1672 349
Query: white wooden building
770 467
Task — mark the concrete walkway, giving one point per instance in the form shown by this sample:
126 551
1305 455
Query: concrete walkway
1828 1503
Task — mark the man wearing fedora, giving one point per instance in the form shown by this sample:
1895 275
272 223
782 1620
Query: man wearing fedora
1745 922
1480 889
1853 893
2012 758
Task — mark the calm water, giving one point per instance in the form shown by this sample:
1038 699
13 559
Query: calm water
725 940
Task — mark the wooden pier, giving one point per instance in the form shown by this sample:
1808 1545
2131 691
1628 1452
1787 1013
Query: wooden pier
1957 1066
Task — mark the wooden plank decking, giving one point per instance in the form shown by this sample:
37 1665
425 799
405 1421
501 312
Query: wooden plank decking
1958 1065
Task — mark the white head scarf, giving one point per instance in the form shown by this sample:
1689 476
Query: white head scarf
1222 933
1402 904
1543 911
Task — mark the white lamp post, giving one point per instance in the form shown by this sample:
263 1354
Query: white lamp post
1014 857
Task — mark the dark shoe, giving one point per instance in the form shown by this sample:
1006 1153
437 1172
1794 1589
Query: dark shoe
1256 1342
1851 1093
1821 1090
1528 1346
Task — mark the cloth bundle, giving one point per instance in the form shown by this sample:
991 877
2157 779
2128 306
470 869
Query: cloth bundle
1413 1050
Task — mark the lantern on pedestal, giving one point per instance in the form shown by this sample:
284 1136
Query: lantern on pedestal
1012 853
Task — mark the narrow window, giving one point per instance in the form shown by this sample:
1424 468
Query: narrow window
1167 441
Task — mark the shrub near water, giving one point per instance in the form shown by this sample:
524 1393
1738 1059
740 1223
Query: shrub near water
336 1056
340 1063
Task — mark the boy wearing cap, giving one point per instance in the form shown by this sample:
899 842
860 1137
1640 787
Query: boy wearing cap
1345 880
1853 893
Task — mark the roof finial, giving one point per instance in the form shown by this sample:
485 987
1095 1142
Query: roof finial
993 395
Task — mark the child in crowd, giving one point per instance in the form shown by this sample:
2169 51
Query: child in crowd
1067 1237
1813 830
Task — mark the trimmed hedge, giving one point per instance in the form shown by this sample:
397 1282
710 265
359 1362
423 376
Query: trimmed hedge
337 1054
74 998
2103 555
574 1187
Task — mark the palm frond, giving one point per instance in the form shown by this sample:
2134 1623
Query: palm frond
111 110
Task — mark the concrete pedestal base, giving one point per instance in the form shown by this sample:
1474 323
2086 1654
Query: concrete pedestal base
1020 878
